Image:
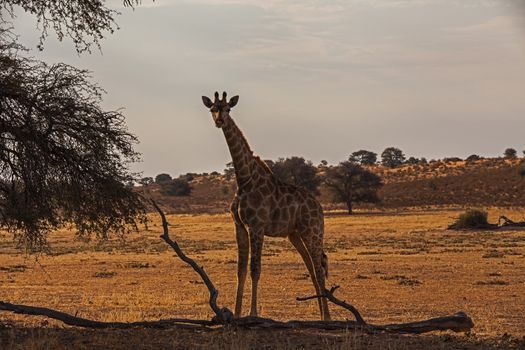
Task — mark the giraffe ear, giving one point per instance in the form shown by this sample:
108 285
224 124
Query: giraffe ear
207 102
233 101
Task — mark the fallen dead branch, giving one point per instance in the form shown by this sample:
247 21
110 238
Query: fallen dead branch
87 323
458 322
504 221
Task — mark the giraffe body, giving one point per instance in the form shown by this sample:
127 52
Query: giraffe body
264 205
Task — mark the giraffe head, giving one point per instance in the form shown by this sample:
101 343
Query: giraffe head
220 109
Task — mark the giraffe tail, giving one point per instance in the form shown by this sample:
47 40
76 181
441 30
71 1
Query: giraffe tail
324 263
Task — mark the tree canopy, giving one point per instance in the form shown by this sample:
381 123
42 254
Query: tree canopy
85 22
176 187
296 171
363 157
350 183
63 159
163 178
510 153
392 157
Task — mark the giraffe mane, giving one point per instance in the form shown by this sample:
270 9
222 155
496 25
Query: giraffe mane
263 164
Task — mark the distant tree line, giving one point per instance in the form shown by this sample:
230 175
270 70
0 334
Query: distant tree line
169 186
351 181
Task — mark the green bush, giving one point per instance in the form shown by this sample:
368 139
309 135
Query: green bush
472 219
177 187
162 178
510 153
473 158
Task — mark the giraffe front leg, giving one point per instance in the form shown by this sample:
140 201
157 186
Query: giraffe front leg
256 243
243 245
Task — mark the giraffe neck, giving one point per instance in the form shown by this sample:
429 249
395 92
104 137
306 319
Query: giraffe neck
243 159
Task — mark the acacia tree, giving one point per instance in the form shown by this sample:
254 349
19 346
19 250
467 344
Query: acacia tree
63 159
510 153
85 22
363 157
351 183
392 157
296 171
163 178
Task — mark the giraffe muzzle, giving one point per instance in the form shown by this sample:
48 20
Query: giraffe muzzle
219 122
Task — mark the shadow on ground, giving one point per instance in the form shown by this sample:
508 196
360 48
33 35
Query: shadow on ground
13 336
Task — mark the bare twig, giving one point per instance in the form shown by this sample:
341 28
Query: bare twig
223 315
329 294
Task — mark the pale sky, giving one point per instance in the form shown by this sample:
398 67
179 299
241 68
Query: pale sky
316 78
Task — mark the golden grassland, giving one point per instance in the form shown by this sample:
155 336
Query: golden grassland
393 266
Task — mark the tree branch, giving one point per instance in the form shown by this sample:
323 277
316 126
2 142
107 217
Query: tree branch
87 323
509 223
223 315
329 295
458 322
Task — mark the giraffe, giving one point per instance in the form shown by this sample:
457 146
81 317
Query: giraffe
264 205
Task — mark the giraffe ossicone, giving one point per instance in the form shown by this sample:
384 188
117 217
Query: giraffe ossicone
264 205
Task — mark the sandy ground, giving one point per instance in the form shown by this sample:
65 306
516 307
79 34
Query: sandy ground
393 266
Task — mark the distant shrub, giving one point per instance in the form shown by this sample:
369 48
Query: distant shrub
177 187
473 158
162 178
472 219
229 171
188 176
510 153
412 160
145 181
423 160
452 159
214 173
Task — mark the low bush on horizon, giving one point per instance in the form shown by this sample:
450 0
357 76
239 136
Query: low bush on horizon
176 187
472 219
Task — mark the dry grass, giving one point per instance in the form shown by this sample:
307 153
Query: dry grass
393 266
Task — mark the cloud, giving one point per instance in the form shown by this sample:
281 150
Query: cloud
496 24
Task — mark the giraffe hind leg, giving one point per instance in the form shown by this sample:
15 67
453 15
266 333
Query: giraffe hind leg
303 251
320 265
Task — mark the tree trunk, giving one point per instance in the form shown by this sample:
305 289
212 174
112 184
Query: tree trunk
349 206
